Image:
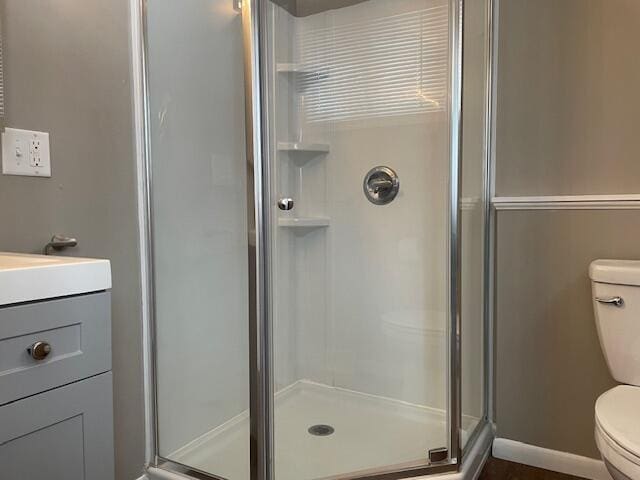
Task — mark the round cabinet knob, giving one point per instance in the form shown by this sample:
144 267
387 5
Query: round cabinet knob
39 350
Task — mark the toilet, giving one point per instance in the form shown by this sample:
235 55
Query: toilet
616 303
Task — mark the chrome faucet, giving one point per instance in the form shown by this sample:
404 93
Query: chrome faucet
59 242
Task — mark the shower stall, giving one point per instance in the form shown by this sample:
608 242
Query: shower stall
317 181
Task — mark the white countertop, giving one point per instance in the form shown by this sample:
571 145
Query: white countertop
25 278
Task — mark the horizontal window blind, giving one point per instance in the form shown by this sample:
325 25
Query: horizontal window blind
389 66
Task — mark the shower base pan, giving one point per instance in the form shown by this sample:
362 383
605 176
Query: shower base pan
323 431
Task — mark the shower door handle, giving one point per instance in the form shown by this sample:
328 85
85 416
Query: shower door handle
285 204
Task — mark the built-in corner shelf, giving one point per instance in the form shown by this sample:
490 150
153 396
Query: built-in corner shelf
304 222
303 147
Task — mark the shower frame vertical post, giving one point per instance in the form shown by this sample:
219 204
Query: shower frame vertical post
456 19
260 326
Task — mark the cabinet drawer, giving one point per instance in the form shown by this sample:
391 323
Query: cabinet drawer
78 330
62 434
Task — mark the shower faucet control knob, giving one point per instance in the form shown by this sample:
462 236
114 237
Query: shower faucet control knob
381 185
285 204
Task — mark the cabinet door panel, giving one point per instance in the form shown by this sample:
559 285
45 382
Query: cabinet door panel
62 434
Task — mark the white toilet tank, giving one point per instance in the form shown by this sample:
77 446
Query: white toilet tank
616 303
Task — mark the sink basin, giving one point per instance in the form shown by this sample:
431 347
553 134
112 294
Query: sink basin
25 278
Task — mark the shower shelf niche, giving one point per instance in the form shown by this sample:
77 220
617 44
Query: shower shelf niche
303 147
304 222
299 157
301 152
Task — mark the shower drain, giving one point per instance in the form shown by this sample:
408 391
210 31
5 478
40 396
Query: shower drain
321 430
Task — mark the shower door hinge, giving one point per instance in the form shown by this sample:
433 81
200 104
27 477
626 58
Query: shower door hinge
438 455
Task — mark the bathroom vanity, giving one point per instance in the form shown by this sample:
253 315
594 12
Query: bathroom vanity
56 412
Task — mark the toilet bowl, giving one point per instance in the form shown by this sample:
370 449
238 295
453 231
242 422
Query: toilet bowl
618 431
616 303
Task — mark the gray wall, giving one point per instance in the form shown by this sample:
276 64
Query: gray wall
67 72
550 368
568 97
566 125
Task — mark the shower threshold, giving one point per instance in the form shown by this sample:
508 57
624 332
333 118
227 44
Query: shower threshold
366 432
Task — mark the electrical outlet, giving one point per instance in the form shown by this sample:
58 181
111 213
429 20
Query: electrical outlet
35 152
25 152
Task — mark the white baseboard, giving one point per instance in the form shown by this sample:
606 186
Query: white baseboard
547 459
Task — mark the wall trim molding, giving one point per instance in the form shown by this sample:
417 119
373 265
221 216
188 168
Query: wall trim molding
568 202
547 459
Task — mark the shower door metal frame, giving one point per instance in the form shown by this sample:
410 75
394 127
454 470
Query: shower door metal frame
261 388
260 343
490 59
254 28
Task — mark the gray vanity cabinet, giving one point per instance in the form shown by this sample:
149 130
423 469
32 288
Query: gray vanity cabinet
56 412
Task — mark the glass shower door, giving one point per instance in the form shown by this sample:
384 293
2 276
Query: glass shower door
307 286
199 177
360 195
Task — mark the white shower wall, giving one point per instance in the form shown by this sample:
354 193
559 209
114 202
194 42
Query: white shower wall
361 304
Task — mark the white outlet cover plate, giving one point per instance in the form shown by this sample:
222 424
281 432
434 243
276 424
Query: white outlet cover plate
25 152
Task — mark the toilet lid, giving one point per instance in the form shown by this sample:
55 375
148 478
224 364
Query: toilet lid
618 414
